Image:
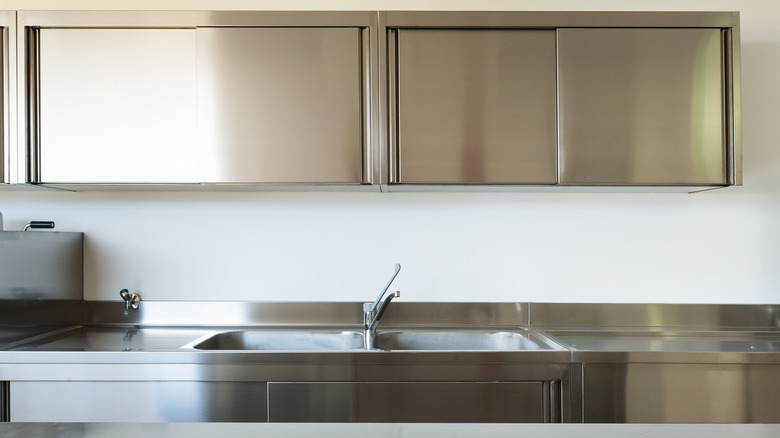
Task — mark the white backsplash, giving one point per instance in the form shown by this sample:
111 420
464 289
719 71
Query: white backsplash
721 246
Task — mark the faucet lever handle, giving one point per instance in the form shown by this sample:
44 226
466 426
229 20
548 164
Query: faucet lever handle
379 298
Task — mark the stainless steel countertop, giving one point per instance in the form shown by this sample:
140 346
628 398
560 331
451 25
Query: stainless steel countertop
157 343
668 344
164 332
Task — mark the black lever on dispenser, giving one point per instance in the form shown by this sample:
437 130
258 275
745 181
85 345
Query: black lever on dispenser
39 225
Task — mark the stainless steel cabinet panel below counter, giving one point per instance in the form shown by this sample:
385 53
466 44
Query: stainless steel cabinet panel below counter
409 402
149 401
681 393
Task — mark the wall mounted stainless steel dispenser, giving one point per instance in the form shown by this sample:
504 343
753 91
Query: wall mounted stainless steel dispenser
41 282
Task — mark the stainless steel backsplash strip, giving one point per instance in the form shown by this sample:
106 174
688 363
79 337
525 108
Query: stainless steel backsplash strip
594 315
410 314
227 313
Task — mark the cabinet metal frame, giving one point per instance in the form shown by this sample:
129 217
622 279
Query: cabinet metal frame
391 22
8 151
26 43
297 401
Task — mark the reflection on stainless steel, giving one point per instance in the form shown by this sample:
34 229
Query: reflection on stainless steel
25 320
150 401
296 119
225 313
427 402
288 340
324 78
460 340
440 338
115 339
97 86
641 106
373 312
37 266
681 393
734 341
475 106
683 316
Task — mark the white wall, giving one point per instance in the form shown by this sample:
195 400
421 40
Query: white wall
715 247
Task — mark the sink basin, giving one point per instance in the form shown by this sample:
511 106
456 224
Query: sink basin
458 340
288 340
670 341
415 339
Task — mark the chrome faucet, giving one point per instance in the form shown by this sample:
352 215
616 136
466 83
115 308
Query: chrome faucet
372 312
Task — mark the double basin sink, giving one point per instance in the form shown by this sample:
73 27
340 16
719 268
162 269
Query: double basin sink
497 340
404 340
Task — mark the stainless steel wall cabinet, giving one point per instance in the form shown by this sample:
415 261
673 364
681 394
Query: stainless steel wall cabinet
574 99
199 98
380 100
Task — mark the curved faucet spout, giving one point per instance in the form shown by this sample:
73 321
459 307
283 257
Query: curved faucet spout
382 309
